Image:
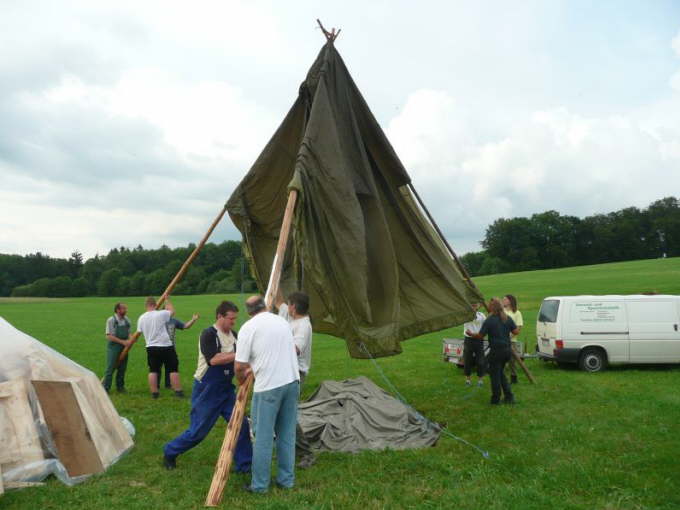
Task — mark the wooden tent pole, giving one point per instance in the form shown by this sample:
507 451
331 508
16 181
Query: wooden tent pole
524 367
177 278
460 265
223 466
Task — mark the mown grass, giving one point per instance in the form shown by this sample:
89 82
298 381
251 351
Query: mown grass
576 440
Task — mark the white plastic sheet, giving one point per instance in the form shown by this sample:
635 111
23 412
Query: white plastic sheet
27 451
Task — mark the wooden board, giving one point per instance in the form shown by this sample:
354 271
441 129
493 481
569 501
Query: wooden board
19 439
72 439
107 431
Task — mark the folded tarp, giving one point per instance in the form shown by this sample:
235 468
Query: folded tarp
356 414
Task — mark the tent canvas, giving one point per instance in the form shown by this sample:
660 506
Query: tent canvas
375 268
356 414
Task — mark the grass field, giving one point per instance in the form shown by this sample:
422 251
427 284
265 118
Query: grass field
575 440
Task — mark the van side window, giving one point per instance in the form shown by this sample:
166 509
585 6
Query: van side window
549 309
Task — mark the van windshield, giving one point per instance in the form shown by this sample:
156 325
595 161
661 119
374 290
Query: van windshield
549 309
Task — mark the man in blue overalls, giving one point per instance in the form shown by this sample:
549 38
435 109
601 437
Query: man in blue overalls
214 393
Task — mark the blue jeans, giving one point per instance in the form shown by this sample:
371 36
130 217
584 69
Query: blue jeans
209 401
274 411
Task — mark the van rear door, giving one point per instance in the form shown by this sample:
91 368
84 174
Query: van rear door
654 335
547 327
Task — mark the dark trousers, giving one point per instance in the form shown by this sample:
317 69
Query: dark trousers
166 375
209 401
497 360
113 350
473 354
302 446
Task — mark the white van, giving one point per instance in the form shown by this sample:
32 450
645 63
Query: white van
595 331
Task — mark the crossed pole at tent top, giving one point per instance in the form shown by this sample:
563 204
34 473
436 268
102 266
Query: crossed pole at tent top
330 36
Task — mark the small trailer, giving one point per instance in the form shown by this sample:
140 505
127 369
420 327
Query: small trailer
452 350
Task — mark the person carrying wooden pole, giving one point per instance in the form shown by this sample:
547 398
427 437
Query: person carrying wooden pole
173 283
226 455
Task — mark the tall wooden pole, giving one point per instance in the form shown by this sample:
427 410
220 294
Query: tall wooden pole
178 277
223 466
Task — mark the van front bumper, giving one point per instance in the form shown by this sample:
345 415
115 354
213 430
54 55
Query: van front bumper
561 355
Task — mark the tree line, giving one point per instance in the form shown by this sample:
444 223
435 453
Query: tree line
542 241
219 268
551 240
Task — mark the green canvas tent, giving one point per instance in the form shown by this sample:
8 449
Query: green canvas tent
376 269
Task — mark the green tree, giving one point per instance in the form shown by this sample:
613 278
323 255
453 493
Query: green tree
108 282
137 284
75 264
61 286
79 287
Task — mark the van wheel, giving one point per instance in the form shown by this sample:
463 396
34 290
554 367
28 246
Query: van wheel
592 360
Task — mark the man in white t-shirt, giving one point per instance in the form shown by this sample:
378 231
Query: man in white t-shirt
296 312
473 348
159 348
265 346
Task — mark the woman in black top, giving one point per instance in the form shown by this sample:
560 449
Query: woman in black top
498 327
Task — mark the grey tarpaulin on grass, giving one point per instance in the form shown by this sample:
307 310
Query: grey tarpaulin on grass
375 269
356 414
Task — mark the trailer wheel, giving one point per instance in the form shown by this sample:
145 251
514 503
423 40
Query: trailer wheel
592 360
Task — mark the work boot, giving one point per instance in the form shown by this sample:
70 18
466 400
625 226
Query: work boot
169 463
306 461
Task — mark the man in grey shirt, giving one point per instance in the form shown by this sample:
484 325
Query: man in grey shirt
117 334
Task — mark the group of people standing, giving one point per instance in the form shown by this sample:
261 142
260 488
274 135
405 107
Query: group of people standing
502 327
274 348
159 328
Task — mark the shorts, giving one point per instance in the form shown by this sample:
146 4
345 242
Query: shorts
156 357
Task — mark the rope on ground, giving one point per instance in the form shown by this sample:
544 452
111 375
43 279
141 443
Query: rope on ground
395 391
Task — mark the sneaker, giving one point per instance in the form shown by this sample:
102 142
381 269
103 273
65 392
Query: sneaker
468 383
179 394
169 463
513 379
155 395
121 390
248 488
480 383
509 401
306 461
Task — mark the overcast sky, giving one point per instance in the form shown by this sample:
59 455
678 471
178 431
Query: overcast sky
126 123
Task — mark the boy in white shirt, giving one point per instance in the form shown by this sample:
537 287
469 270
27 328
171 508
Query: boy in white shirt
473 348
296 312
